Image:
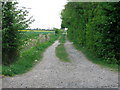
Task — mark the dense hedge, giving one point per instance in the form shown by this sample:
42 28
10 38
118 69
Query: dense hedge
13 19
94 26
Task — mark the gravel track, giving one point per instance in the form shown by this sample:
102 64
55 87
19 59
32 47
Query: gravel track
52 73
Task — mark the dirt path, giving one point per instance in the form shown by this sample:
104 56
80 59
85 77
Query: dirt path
52 73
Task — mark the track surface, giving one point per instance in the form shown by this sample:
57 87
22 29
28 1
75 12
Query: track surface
52 73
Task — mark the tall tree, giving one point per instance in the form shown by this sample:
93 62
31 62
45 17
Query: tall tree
13 19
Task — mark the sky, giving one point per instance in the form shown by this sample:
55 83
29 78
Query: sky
45 12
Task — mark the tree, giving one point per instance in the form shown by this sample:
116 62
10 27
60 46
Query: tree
13 19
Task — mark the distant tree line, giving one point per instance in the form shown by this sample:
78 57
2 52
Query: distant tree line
95 26
40 29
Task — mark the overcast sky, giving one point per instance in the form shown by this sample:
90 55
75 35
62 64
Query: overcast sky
45 12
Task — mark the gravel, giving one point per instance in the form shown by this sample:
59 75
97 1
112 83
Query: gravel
53 73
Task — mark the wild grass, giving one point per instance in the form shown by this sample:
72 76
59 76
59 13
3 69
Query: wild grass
62 38
60 51
96 60
28 58
0 69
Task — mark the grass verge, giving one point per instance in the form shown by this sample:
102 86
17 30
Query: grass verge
96 60
0 69
62 39
61 53
60 50
28 59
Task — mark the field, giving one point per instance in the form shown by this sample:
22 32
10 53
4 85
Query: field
42 31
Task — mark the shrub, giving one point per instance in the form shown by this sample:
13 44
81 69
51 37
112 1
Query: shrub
13 20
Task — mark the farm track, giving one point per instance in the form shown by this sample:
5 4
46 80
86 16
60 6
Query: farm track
52 73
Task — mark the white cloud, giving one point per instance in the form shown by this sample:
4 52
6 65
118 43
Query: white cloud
45 12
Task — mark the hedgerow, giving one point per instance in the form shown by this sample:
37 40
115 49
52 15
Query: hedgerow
94 26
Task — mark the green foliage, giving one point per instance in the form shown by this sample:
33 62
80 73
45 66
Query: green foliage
58 31
28 58
62 38
13 19
94 26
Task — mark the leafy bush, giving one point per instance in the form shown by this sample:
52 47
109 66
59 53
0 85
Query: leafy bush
13 19
58 31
